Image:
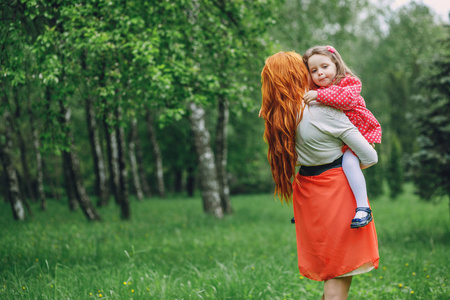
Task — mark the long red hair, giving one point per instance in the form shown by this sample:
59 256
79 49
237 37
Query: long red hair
284 80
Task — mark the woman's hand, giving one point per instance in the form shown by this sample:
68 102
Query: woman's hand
310 96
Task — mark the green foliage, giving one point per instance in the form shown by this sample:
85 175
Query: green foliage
134 55
248 165
130 56
303 24
375 179
171 250
394 171
388 61
431 161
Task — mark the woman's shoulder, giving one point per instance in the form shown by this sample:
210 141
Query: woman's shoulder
325 119
327 113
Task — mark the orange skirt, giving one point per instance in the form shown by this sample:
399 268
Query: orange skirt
327 247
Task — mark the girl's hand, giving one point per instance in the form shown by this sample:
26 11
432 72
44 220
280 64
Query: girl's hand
310 96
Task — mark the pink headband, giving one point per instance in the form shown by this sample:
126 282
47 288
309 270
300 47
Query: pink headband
331 49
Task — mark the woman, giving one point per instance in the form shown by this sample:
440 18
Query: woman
312 136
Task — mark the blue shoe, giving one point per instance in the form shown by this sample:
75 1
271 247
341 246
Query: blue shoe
293 220
358 223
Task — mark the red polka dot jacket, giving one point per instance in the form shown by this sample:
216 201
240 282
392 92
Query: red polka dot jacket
346 96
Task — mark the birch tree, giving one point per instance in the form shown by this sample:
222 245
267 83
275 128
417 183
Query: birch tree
6 149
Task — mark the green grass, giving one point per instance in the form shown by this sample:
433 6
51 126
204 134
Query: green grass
171 250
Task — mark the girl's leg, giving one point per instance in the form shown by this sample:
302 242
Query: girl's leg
355 177
337 288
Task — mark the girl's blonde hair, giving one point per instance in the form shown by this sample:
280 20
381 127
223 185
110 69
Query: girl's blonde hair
342 69
284 80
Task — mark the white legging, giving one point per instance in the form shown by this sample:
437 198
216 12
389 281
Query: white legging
355 177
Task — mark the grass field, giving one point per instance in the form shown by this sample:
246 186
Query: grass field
171 250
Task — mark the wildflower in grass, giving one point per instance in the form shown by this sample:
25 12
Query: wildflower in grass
414 273
381 277
400 285
428 276
132 290
51 285
37 259
148 289
90 294
384 268
424 269
412 292
100 295
406 265
125 283
301 277
23 288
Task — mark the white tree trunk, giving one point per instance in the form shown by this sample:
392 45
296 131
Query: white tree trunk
133 160
207 169
101 181
39 163
11 174
222 154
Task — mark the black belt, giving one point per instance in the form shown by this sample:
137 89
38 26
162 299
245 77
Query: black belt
316 170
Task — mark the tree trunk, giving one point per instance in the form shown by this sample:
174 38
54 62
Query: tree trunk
51 181
5 189
221 154
68 181
13 188
101 181
133 160
190 181
26 179
156 154
85 203
97 155
123 176
39 163
141 171
178 180
113 159
73 169
206 167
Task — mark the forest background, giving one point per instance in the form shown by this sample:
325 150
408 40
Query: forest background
126 100
141 117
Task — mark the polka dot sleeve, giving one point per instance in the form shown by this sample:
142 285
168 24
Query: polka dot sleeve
344 96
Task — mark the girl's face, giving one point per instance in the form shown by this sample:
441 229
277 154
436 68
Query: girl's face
322 69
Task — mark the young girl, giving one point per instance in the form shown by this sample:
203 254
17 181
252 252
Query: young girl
337 86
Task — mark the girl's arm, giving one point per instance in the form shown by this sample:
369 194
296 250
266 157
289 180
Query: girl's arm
344 96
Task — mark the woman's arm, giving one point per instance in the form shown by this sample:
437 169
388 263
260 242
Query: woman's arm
336 123
365 152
